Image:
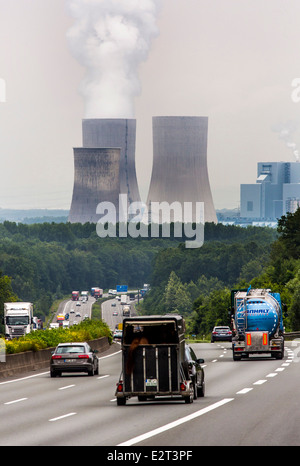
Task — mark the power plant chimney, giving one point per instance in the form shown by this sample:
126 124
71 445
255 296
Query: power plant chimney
180 163
102 134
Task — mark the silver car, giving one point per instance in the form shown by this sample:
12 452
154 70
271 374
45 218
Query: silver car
74 357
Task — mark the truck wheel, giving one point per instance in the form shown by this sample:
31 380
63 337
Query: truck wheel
121 401
237 358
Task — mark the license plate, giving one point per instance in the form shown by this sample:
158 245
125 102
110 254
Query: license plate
151 382
70 360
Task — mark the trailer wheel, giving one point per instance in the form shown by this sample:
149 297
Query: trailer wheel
189 399
121 401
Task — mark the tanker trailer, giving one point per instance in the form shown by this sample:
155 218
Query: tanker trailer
257 323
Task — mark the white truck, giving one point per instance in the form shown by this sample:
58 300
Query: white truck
18 319
123 298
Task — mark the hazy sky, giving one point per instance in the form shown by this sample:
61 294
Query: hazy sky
231 60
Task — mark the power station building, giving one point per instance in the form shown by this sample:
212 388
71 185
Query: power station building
179 172
104 167
276 191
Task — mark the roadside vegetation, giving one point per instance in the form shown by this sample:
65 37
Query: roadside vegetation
43 263
41 339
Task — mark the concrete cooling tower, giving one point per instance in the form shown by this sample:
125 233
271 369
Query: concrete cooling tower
96 179
180 163
100 134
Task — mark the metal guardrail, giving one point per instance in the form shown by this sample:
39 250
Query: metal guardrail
292 334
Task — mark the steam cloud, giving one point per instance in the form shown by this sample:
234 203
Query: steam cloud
286 132
110 38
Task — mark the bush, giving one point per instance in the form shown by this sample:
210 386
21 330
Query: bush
41 339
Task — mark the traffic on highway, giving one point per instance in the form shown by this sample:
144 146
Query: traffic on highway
132 399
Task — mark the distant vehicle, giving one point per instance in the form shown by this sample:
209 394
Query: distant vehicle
60 318
115 313
74 357
72 311
54 325
75 295
113 304
86 316
123 298
67 316
126 311
221 333
18 319
98 293
78 304
85 295
117 335
196 372
113 292
66 324
77 314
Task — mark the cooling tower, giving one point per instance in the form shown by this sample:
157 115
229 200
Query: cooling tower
96 179
98 175
180 163
116 132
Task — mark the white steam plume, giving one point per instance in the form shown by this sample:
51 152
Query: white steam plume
110 38
286 132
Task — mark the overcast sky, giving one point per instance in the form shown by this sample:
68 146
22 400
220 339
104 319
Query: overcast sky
231 60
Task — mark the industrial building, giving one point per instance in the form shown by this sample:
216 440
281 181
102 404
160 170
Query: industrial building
276 191
179 172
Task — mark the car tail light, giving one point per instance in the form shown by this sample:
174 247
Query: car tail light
83 356
56 356
182 386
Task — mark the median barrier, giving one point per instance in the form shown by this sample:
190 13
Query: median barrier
18 363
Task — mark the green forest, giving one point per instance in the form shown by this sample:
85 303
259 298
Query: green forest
43 262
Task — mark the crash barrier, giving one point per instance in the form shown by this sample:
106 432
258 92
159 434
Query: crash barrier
18 363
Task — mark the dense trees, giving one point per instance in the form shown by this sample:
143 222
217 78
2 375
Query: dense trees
46 261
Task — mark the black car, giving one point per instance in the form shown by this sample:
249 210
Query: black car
74 357
221 333
195 371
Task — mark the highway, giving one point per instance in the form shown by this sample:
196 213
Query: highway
248 402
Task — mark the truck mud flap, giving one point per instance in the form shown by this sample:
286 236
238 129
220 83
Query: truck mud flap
154 369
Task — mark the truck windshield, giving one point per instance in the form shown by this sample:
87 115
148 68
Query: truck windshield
17 320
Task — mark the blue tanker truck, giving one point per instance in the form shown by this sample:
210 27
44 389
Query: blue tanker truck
256 323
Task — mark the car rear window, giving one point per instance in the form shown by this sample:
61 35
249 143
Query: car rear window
70 349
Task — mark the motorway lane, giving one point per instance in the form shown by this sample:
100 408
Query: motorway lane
260 404
81 410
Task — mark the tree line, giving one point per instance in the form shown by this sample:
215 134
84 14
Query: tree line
198 283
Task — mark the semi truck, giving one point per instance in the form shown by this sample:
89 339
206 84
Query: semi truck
75 295
257 323
154 361
126 311
124 299
18 319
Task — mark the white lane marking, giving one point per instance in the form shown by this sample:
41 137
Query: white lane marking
272 374
280 369
215 360
66 386
15 401
24 378
176 423
259 382
61 417
103 376
243 391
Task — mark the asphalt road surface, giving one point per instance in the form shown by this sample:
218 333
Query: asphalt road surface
248 402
